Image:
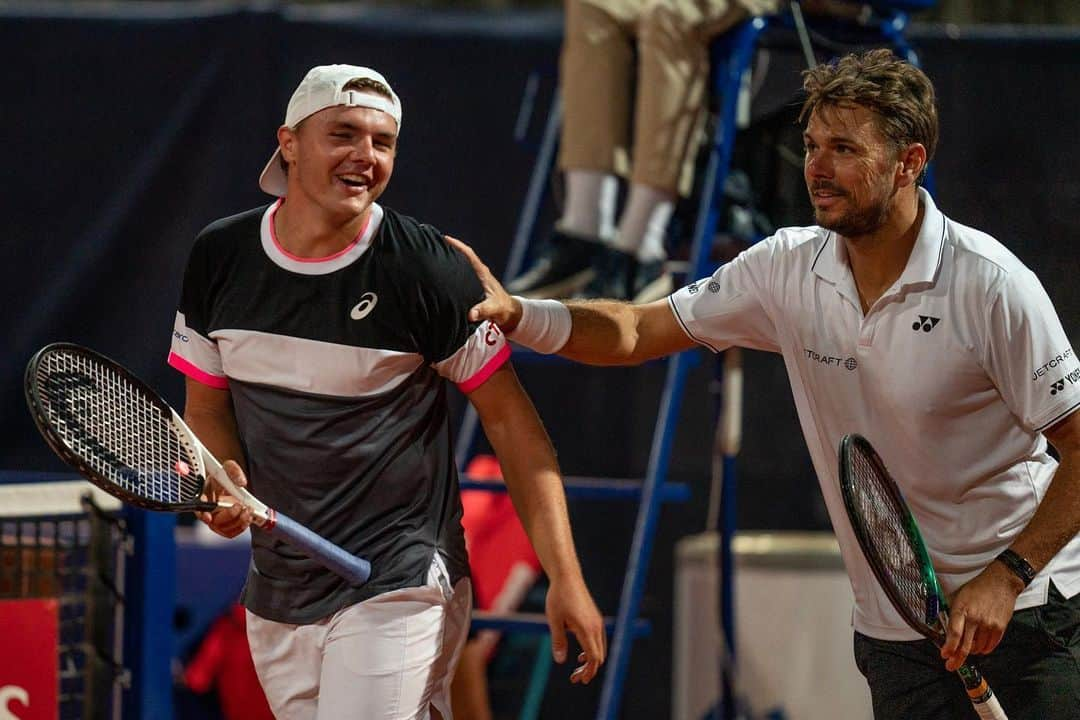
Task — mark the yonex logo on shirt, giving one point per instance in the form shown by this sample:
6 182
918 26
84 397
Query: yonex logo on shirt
925 323
363 308
1073 378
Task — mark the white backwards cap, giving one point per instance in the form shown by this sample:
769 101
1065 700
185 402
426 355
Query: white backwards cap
323 87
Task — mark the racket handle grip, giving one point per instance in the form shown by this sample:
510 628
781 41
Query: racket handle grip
982 697
355 570
990 709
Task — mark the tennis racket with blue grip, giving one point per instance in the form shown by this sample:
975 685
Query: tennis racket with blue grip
123 437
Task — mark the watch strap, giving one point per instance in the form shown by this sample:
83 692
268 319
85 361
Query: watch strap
1018 565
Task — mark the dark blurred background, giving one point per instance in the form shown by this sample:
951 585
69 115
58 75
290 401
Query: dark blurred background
128 126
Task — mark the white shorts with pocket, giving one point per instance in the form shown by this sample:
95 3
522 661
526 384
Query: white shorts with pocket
388 658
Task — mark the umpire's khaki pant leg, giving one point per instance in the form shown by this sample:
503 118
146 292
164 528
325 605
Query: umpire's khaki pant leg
596 73
673 47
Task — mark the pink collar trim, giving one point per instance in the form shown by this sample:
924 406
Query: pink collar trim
297 258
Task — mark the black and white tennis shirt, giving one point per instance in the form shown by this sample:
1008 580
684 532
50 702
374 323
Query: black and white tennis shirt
336 369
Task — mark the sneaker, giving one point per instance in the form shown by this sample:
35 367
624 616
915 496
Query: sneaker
652 281
563 269
613 275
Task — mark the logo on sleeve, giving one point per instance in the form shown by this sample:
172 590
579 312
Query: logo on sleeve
1046 367
492 335
1059 385
925 323
363 308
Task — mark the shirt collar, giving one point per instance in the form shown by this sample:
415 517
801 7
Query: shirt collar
831 264
922 266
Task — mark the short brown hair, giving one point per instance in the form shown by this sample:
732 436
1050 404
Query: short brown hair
900 94
364 84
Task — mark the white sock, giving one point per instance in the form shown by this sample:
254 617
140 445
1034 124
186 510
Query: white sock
590 204
644 222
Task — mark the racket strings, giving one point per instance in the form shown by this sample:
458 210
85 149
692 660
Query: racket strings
114 428
885 523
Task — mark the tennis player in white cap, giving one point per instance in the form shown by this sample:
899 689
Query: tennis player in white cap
317 334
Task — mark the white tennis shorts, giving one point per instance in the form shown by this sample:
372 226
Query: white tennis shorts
388 658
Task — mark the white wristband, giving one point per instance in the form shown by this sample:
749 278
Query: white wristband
544 326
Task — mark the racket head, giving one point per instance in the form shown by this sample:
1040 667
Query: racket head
113 429
890 538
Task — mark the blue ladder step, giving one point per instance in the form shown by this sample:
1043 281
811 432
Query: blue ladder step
595 488
536 623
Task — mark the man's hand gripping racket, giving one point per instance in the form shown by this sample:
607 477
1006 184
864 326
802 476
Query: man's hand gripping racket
894 548
123 437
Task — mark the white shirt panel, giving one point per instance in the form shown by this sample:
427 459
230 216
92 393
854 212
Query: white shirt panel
938 375
312 366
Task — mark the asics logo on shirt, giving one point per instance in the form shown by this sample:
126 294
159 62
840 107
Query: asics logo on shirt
363 308
925 323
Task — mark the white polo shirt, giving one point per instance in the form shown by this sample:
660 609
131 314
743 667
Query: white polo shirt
952 375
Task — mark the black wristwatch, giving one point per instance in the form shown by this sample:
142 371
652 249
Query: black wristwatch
1019 566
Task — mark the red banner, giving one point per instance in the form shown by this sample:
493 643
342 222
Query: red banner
28 659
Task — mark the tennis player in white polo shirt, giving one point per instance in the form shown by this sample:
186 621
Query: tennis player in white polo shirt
935 342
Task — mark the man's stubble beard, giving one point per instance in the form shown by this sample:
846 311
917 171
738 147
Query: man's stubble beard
858 222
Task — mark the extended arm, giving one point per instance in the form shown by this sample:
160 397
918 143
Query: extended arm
535 485
601 332
607 332
983 607
209 413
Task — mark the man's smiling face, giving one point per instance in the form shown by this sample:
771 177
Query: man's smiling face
341 158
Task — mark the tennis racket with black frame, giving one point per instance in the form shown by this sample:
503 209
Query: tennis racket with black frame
123 437
891 541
